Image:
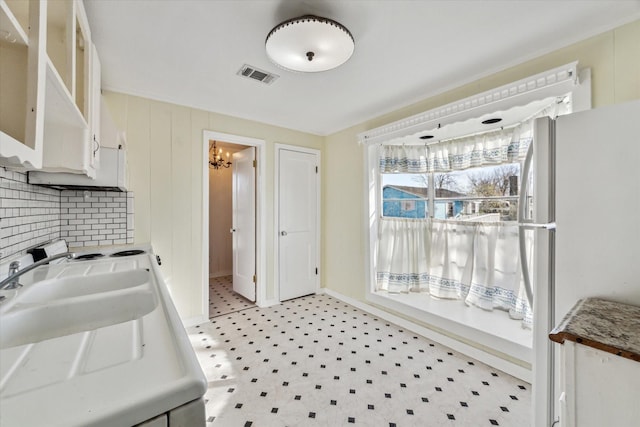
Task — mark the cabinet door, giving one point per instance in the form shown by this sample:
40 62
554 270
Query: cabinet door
68 137
47 84
23 26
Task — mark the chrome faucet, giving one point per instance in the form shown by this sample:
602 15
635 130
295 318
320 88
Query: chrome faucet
11 282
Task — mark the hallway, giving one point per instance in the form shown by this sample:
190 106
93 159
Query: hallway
222 298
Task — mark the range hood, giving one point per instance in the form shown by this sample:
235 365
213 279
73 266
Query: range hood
110 176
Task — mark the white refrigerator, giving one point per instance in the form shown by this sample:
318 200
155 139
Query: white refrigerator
585 218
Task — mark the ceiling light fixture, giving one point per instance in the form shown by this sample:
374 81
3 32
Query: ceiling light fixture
215 157
309 44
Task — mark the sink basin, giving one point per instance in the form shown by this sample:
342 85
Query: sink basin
77 286
35 323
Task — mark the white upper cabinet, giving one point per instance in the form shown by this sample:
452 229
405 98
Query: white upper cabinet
49 77
20 41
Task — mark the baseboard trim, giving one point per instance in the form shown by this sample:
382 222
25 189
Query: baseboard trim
476 353
193 321
220 274
268 303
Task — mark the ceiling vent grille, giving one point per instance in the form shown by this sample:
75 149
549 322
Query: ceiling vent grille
251 72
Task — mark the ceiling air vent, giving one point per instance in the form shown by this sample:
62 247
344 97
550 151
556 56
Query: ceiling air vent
254 73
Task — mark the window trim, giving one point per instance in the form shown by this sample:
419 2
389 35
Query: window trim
554 82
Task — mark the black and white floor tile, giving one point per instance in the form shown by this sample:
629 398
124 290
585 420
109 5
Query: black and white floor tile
222 298
316 361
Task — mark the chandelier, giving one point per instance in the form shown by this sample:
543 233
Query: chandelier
309 44
215 158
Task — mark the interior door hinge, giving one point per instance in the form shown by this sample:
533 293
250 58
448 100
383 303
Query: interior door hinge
316 271
255 163
254 278
316 169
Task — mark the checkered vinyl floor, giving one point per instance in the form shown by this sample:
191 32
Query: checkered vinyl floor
222 298
316 361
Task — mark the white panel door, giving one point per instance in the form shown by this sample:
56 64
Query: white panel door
298 223
244 223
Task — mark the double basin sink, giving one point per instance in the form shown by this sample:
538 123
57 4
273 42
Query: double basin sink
63 306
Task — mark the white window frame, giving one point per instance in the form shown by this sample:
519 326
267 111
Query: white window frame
555 82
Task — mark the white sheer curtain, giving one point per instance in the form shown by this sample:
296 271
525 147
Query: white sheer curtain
451 259
474 262
497 277
403 254
401 158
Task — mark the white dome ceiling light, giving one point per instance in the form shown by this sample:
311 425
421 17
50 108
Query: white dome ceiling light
309 44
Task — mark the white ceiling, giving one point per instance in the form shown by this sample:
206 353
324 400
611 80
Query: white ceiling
188 51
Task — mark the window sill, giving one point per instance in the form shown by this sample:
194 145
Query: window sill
480 328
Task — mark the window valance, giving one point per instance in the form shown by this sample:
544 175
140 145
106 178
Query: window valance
492 148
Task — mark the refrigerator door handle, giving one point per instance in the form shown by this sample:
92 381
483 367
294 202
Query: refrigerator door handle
533 226
522 222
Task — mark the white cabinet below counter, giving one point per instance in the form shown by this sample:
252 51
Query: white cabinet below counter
600 364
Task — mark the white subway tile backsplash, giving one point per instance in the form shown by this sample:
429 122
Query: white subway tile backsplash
99 217
31 215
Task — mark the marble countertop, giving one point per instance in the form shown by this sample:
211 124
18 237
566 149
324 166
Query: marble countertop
606 325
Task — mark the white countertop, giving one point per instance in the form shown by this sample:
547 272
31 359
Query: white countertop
121 374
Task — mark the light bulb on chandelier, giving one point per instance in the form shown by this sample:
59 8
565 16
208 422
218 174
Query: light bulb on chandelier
215 157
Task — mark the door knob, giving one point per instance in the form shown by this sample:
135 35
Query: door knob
283 233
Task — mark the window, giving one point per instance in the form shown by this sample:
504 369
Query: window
485 194
430 158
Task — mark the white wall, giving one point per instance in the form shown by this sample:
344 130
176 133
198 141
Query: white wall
164 150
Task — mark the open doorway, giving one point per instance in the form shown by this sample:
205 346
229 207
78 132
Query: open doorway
232 206
231 245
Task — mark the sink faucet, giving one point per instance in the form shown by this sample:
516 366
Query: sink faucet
11 282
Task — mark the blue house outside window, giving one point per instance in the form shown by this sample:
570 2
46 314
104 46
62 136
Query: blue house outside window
411 202
404 202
